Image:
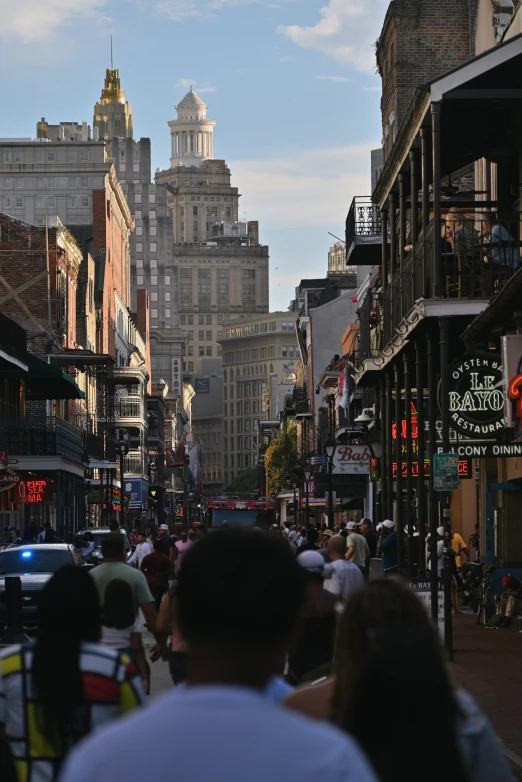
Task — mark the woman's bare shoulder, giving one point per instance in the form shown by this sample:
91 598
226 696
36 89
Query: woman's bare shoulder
313 700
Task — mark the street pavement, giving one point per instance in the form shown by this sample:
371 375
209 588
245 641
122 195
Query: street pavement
487 663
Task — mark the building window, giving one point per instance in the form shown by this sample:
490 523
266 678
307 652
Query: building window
139 280
153 280
208 350
84 181
248 274
51 156
153 263
51 181
84 155
201 334
204 274
72 181
154 313
167 279
139 230
7 202
38 156
18 156
71 156
137 198
201 350
167 312
39 202
209 336
19 203
123 166
191 366
51 202
6 156
154 296
139 247
19 182
40 221
167 296
85 200
71 201
153 230
152 214
139 263
39 182
152 198
6 182
153 247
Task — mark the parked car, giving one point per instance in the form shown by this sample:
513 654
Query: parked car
98 534
35 564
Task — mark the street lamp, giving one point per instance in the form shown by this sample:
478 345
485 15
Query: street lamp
329 447
308 472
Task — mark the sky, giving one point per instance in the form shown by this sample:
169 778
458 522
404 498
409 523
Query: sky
291 84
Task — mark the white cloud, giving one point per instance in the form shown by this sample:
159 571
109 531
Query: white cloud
332 78
346 31
177 10
308 188
186 84
34 20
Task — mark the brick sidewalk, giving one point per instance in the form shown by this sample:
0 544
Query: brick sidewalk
488 663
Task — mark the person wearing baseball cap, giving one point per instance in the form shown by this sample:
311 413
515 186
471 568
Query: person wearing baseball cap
167 543
366 529
387 545
357 550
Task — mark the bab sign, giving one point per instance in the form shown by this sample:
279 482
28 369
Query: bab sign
351 460
476 398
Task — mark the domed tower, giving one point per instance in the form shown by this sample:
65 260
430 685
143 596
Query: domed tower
191 133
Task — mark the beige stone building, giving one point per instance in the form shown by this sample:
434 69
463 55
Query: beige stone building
254 349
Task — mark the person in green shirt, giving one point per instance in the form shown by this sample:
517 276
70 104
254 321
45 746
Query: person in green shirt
114 566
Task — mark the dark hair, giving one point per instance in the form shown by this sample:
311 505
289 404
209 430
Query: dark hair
312 535
239 587
50 534
118 605
114 526
158 545
112 545
387 646
57 678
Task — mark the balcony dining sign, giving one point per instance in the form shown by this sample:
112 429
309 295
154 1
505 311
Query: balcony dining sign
476 397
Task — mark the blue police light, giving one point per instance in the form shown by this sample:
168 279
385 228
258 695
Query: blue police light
27 554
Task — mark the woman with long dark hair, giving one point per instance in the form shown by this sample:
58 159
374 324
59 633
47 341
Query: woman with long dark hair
389 662
56 691
121 628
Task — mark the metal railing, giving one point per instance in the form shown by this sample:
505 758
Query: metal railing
363 219
51 436
127 407
134 463
369 342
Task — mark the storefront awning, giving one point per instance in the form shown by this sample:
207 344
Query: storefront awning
44 381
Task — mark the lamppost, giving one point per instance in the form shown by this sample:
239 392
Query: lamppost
329 447
308 472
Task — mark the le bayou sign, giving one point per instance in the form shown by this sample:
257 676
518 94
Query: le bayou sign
476 397
351 460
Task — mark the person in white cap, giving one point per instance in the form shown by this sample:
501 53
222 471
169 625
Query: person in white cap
357 550
167 543
387 545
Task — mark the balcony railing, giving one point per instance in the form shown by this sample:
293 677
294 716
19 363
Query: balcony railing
370 332
129 407
134 463
363 232
51 437
476 261
98 447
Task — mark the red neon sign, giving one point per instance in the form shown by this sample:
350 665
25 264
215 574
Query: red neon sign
413 425
32 491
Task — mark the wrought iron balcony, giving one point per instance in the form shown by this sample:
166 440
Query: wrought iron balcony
130 407
100 447
302 403
363 233
370 338
51 437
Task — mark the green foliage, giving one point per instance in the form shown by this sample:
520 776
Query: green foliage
281 459
244 483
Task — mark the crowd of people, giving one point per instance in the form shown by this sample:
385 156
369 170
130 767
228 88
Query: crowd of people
294 667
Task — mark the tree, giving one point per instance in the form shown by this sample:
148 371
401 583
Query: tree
244 483
281 459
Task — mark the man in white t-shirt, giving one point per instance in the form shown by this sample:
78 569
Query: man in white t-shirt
142 549
344 577
357 550
236 641
182 546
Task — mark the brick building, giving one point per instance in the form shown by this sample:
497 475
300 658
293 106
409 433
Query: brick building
419 39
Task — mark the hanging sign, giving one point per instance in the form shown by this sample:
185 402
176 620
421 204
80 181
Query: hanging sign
512 364
351 459
445 472
476 397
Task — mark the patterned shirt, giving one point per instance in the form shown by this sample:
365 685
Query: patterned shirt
344 577
112 687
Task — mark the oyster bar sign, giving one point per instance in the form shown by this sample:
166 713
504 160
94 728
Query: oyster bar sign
476 398
351 460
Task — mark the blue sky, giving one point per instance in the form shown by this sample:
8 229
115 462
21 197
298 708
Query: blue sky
290 83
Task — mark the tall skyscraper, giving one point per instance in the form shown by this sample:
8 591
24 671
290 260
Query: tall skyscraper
113 114
222 269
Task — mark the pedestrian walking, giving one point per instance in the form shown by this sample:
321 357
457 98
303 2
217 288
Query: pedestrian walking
314 648
157 568
343 576
387 652
238 623
175 650
387 546
48 535
367 531
166 543
140 552
357 550
121 628
183 546
57 690
114 566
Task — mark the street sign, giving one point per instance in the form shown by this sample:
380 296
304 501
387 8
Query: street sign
423 591
445 472
318 460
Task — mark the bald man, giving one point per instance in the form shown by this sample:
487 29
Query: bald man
345 577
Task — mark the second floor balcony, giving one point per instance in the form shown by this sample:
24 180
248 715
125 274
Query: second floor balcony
50 436
363 233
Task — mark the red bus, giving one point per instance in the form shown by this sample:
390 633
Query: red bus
241 512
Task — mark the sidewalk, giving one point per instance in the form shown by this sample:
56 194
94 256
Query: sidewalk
488 663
